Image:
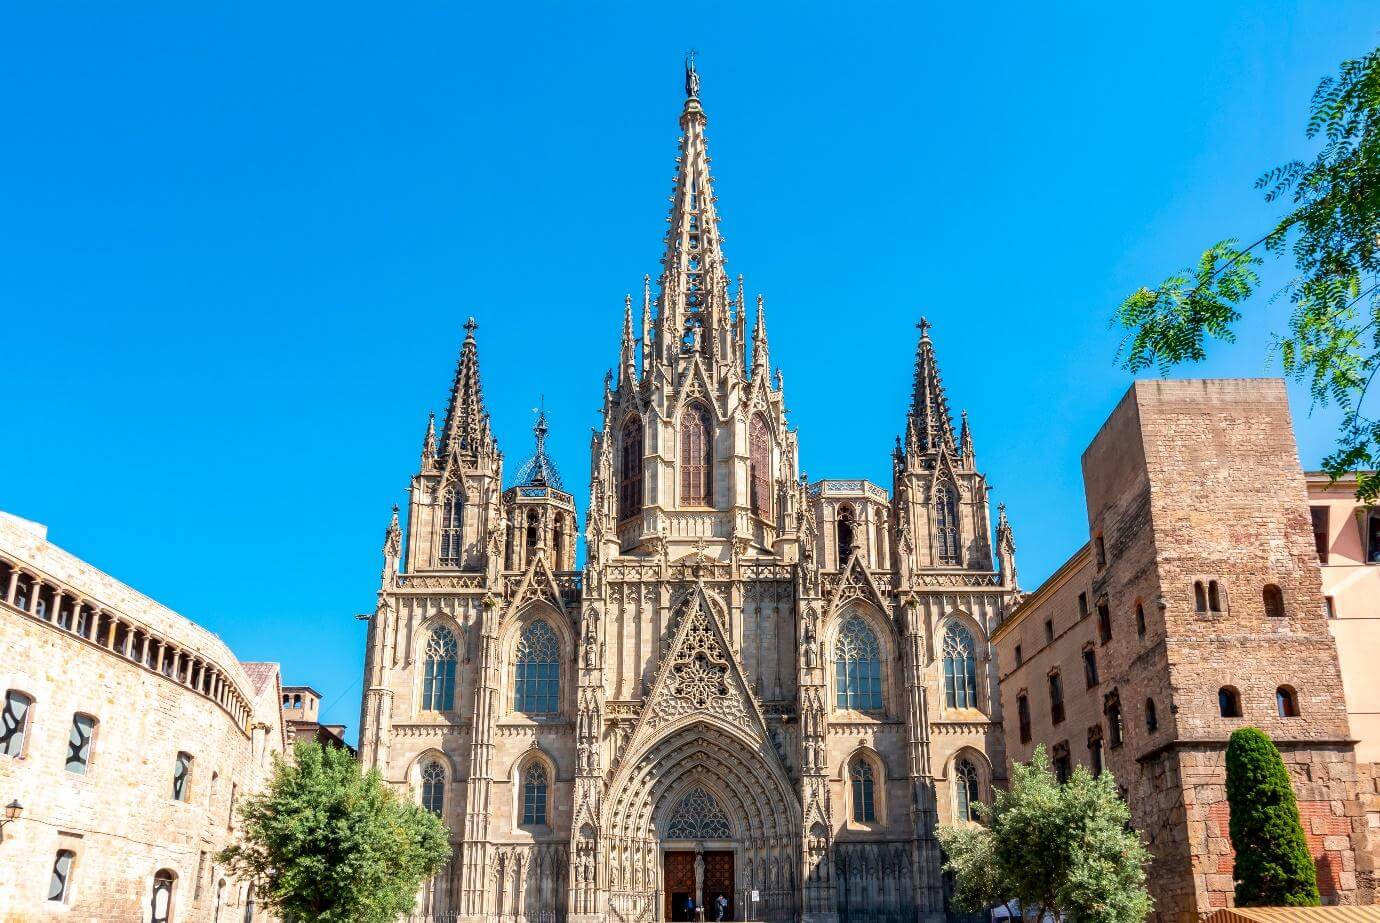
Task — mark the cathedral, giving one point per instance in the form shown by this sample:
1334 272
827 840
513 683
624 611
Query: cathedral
759 695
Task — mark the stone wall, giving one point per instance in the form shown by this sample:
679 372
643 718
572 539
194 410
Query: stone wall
119 817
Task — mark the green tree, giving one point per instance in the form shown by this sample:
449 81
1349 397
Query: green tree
1273 867
1332 235
1065 849
325 843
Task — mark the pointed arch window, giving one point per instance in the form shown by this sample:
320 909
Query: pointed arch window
434 787
759 455
847 534
858 666
537 676
630 484
864 782
946 525
452 518
535 794
960 668
967 790
697 816
438 678
696 457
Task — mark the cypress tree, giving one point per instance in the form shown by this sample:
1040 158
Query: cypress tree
1273 866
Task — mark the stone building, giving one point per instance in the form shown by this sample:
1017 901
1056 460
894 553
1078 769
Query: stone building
301 720
756 686
1195 608
128 733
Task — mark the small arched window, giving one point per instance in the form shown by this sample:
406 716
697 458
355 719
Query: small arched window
535 789
1273 598
946 525
846 528
60 885
1152 721
960 668
759 464
533 530
966 790
857 666
1229 702
864 791
558 529
161 901
537 676
1214 596
434 787
182 777
438 677
1199 597
14 723
696 457
79 743
452 520
1140 620
1287 702
630 482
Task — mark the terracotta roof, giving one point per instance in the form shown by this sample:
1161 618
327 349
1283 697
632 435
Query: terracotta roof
260 674
1341 914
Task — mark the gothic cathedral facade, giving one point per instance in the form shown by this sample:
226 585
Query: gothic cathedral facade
758 691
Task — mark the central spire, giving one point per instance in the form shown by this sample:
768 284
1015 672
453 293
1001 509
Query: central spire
466 428
931 426
694 286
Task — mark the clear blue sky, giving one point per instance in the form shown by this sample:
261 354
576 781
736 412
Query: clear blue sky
238 242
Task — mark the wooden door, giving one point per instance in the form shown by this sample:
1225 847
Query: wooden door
678 884
718 879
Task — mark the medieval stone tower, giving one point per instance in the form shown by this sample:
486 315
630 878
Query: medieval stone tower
757 687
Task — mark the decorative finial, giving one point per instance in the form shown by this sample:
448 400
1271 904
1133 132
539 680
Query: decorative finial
924 327
692 77
470 327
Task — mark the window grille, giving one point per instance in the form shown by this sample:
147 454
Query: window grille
858 666
537 676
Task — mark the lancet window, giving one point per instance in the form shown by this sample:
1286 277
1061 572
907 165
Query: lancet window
630 485
759 456
452 517
434 787
697 816
858 666
946 526
863 781
535 790
966 790
960 668
438 678
696 457
537 675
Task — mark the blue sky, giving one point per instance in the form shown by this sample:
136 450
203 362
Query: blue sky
239 241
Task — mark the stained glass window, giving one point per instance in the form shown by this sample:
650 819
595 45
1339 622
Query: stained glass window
14 722
452 519
946 526
697 816
857 666
630 485
696 457
864 795
537 679
534 795
79 743
759 459
434 787
960 668
966 790
438 679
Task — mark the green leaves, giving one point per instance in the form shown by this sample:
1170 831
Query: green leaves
1169 323
1060 848
1273 867
1333 235
327 844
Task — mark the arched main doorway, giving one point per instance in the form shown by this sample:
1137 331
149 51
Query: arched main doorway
702 810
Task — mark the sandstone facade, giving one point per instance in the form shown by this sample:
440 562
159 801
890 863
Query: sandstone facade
1196 608
757 686
100 803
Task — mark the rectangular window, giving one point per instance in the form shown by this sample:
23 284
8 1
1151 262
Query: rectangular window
1019 658
1104 621
182 777
1056 698
61 885
1023 715
1112 708
1095 749
1049 631
1320 531
1101 547
1330 607
79 743
1082 605
1090 666
1063 767
14 723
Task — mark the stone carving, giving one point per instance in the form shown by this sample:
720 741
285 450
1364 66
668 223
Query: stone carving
698 817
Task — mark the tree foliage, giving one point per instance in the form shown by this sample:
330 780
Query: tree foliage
1063 849
1273 867
1332 235
325 843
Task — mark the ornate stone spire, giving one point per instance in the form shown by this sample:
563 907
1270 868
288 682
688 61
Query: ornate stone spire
965 441
761 357
646 322
429 444
627 357
930 427
693 282
467 423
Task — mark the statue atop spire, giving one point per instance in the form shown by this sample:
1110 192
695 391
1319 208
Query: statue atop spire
692 76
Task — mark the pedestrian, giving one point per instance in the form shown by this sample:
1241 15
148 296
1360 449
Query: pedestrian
722 904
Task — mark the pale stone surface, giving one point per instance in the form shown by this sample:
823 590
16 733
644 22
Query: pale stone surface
119 817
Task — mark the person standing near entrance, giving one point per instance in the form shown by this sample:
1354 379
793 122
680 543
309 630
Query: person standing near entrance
722 905
689 908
